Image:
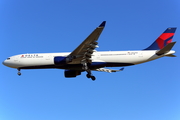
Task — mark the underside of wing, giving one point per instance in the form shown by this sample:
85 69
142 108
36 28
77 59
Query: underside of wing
84 51
108 70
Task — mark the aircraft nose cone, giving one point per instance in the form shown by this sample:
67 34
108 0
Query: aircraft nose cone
4 62
10 63
7 63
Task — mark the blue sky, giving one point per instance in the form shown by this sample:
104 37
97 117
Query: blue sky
148 91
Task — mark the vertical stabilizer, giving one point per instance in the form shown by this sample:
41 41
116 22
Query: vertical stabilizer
164 39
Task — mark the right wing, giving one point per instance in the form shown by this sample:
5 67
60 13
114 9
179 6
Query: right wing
85 50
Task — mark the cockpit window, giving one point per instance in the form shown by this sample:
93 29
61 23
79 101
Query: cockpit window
8 58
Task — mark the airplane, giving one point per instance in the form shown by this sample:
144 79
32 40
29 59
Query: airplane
86 59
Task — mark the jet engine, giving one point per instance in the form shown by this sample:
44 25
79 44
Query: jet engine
71 73
59 60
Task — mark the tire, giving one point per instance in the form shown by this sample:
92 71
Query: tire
88 76
93 78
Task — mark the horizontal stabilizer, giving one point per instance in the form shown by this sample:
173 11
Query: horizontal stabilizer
166 49
171 55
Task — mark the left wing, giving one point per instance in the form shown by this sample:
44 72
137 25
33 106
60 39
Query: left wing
108 70
85 50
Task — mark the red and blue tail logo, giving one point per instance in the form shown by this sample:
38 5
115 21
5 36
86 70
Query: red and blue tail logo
164 39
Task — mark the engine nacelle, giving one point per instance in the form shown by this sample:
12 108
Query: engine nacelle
71 73
59 60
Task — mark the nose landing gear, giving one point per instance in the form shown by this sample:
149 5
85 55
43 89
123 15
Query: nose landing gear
19 73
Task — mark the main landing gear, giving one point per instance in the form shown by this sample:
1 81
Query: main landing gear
19 73
89 74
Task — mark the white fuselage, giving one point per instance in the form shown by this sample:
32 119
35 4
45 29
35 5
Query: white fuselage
101 59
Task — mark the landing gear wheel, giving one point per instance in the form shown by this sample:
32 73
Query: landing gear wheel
93 78
19 73
88 75
85 68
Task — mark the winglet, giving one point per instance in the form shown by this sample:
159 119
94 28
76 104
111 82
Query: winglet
102 24
121 69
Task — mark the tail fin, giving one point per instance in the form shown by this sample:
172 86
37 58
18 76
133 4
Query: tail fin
164 39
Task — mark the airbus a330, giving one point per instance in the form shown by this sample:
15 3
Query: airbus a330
86 59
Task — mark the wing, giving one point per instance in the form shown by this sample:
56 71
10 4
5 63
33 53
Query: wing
85 50
108 70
